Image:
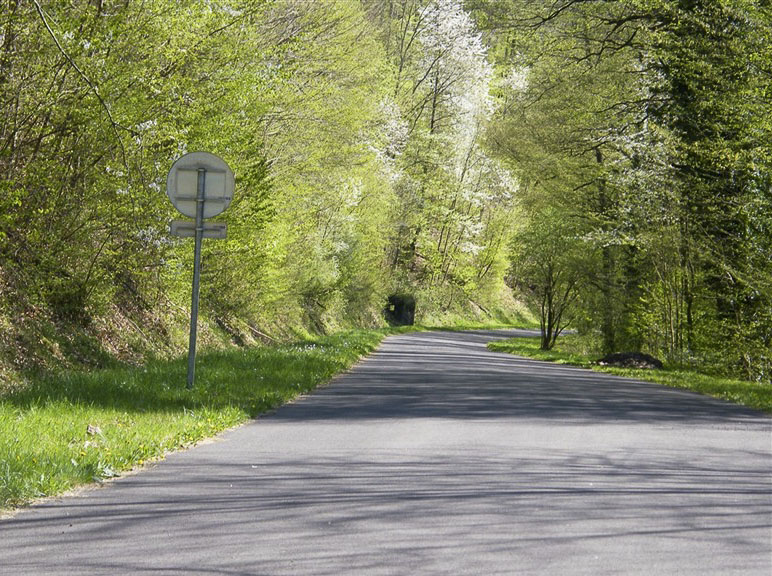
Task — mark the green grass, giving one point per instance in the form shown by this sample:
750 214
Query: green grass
571 350
500 319
138 415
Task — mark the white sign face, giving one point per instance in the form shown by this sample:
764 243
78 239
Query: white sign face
182 184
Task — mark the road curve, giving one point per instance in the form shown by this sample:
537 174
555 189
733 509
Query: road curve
436 456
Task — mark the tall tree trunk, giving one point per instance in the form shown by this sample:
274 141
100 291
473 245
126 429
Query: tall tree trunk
607 269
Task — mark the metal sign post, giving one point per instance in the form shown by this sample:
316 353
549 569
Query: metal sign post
200 195
200 185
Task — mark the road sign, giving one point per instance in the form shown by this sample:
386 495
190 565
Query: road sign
187 229
182 184
200 185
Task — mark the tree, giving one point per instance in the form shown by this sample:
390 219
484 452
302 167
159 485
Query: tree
670 99
548 269
452 196
564 112
712 61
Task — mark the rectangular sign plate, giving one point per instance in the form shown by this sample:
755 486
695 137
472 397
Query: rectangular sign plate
187 229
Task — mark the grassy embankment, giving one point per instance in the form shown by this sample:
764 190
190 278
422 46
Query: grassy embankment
573 350
58 431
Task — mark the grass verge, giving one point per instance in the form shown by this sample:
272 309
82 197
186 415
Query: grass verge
569 350
58 431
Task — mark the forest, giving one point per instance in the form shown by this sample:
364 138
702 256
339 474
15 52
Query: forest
603 166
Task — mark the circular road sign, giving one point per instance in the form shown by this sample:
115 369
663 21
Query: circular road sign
182 184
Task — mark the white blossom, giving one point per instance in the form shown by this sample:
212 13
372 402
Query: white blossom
516 80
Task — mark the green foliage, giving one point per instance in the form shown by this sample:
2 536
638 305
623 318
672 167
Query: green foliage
646 125
719 150
358 163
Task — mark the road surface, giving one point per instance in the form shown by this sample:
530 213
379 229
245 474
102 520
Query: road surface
437 456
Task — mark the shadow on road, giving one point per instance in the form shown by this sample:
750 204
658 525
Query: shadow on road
355 502
453 375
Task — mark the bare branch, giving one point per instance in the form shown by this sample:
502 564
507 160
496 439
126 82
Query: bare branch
94 88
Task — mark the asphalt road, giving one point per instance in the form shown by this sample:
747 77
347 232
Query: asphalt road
437 456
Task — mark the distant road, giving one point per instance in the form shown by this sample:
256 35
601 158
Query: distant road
436 456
